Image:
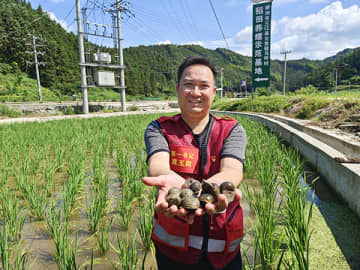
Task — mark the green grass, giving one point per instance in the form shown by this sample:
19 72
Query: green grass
305 106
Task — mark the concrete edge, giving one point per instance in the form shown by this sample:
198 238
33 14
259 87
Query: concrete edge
344 178
351 149
80 116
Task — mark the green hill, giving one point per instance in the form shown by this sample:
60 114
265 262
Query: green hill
150 70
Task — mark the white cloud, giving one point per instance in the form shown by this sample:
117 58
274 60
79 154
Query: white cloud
319 35
314 36
164 42
53 17
193 43
57 1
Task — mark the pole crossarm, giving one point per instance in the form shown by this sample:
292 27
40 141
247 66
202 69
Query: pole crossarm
102 65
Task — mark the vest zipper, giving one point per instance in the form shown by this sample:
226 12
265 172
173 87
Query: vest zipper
233 213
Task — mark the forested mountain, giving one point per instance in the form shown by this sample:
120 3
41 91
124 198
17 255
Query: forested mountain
150 70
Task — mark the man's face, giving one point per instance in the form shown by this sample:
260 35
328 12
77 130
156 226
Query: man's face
196 90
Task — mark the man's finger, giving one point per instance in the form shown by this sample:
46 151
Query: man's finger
222 203
160 207
157 181
238 195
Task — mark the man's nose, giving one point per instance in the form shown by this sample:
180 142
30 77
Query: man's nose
196 90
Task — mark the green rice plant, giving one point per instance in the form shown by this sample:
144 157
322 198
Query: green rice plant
17 260
59 157
298 211
267 239
145 226
13 215
35 196
124 206
97 205
126 252
68 197
4 248
66 250
98 165
49 176
103 242
122 163
35 160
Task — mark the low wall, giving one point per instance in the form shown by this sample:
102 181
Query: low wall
55 107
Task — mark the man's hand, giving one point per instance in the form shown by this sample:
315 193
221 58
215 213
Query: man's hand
164 183
219 206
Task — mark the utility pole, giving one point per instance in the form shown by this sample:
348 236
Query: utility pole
338 68
121 58
284 53
82 60
35 52
221 81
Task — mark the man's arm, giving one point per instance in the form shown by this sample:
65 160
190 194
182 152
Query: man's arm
231 169
164 178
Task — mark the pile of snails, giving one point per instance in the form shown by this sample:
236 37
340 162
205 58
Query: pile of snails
196 194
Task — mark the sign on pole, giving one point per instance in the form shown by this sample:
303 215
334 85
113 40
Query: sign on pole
261 44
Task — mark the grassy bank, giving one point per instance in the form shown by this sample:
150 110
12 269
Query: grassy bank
316 106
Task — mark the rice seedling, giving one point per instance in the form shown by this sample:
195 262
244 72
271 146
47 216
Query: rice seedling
4 248
103 242
97 205
59 157
126 252
35 196
66 250
124 206
298 214
144 227
12 258
13 215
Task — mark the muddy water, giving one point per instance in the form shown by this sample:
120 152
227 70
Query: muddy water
343 223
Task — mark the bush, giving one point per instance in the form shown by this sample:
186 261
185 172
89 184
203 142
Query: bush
5 111
310 107
308 90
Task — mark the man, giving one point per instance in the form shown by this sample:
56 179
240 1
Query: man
198 145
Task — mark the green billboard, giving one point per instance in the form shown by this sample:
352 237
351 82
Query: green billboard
261 42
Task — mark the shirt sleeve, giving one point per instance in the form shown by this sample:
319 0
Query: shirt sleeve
155 140
235 144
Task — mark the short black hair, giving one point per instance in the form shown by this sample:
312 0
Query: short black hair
196 60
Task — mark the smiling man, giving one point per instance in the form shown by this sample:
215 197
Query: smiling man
196 144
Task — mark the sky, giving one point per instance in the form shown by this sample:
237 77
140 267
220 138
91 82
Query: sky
312 29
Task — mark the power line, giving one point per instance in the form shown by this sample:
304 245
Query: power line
218 22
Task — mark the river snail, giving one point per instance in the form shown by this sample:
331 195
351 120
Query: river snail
190 203
211 188
174 190
196 194
228 189
174 199
194 185
186 192
206 198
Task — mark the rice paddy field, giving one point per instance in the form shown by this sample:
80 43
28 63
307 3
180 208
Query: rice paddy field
72 198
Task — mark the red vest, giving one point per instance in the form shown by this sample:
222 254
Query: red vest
174 237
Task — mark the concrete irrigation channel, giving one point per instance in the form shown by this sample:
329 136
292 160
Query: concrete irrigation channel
329 154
